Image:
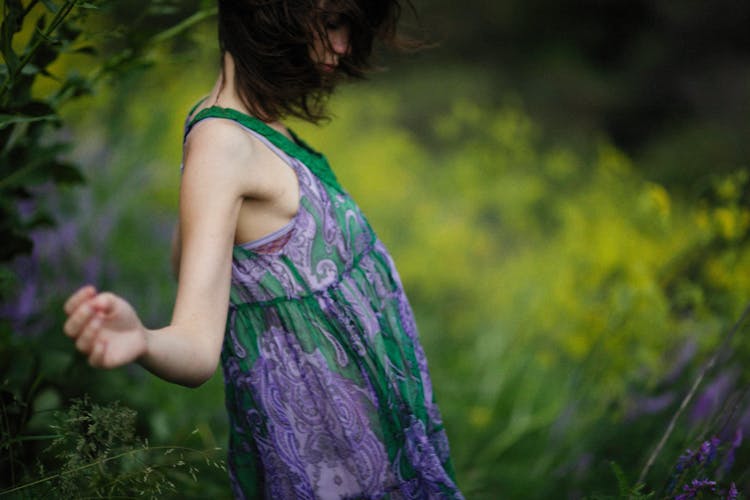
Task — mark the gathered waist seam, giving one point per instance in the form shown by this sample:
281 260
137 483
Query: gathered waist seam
312 294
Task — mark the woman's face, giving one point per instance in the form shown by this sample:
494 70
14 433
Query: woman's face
326 53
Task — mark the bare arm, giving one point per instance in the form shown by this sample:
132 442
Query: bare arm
187 351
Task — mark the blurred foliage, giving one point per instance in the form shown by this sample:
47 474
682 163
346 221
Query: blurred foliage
667 81
567 291
49 62
556 281
26 160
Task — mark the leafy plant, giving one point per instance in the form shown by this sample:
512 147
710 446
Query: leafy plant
98 454
49 60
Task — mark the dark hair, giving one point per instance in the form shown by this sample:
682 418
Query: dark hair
270 42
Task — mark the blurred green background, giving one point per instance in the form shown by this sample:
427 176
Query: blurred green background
563 186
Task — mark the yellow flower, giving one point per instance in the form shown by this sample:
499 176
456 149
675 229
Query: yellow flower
659 199
726 223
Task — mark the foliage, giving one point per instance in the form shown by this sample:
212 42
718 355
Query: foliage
557 281
46 52
694 468
29 155
566 300
666 81
97 454
26 159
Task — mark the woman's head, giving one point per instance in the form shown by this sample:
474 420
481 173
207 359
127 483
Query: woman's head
289 54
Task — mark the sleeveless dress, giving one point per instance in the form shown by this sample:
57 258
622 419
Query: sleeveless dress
327 387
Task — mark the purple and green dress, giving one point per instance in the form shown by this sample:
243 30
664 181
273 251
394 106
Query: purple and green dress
327 386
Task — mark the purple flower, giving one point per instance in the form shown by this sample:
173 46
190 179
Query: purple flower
729 458
716 392
707 451
737 441
696 486
685 460
649 405
704 455
732 493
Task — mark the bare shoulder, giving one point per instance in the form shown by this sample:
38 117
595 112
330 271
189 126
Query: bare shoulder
224 151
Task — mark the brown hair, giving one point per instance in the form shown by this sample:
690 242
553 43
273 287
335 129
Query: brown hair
270 42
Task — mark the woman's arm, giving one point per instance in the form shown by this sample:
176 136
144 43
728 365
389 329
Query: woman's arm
187 351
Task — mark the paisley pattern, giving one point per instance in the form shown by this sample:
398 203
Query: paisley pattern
327 386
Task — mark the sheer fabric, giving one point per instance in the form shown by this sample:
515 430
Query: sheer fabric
327 386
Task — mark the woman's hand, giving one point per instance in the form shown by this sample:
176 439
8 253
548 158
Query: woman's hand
105 328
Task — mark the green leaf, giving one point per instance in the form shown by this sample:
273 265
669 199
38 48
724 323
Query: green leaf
622 481
29 69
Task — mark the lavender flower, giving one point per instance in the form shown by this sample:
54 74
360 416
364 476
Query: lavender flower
716 392
696 486
707 451
729 458
649 405
703 456
732 493
710 456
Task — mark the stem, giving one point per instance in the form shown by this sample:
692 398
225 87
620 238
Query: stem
689 396
97 463
40 437
183 25
10 448
113 61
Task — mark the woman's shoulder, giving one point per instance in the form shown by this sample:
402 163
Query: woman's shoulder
228 149
222 141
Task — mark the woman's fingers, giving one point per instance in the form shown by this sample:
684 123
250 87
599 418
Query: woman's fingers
80 296
104 302
88 337
78 320
81 308
105 328
96 358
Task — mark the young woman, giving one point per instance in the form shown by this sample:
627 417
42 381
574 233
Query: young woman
283 280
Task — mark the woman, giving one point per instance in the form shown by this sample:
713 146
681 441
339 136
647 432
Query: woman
283 280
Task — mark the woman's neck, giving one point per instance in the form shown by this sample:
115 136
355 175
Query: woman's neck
225 94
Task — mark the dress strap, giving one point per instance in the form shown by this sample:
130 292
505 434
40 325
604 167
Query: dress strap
296 148
195 106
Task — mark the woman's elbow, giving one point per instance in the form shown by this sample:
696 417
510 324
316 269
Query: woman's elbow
202 367
200 376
